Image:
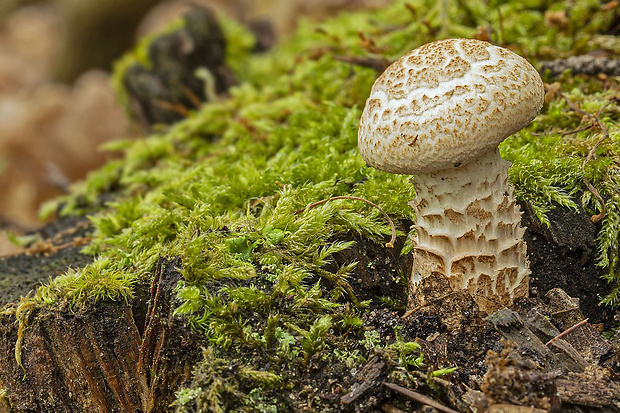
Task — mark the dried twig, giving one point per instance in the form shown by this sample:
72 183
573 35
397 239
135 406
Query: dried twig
191 96
420 398
48 248
596 218
173 107
388 408
587 64
356 198
595 121
573 106
576 131
501 26
426 304
372 62
565 332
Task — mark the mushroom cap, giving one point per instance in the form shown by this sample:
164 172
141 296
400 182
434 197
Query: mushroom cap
446 102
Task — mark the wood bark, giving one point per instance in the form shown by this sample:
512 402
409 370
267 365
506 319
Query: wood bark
97 360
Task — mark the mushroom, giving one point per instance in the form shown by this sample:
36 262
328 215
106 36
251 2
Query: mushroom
439 113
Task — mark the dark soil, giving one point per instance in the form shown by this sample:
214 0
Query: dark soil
564 255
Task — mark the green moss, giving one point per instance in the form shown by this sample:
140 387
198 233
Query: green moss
95 282
224 190
216 390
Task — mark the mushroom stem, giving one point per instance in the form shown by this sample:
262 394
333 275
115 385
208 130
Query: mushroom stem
468 233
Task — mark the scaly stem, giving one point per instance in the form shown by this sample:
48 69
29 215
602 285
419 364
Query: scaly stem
468 231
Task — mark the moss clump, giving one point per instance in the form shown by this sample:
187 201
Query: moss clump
223 189
99 280
214 389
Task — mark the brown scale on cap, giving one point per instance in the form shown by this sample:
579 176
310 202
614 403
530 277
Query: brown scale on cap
439 113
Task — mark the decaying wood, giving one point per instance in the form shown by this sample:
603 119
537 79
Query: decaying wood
585 339
584 64
514 380
511 326
73 363
420 398
369 379
592 388
570 363
97 360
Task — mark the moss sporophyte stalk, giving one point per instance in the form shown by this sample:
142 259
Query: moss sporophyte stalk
220 190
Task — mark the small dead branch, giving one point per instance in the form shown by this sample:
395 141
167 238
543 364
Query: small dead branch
371 62
47 248
177 108
388 408
572 132
420 398
574 106
367 380
605 130
356 198
585 65
426 304
565 332
191 96
501 26
595 121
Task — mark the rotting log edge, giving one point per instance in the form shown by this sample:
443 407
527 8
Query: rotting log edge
90 360
73 362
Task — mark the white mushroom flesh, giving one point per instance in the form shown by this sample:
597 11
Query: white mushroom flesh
468 229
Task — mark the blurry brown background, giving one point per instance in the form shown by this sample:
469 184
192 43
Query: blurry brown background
56 105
